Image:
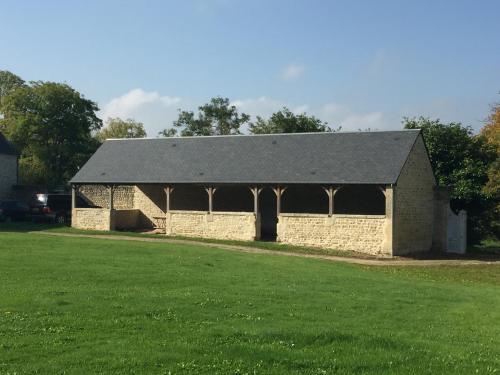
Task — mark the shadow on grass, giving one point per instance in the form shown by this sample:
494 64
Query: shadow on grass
488 250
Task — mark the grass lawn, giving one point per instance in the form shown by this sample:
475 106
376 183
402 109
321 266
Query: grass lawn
85 306
267 245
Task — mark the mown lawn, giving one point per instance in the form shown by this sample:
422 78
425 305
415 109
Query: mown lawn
86 306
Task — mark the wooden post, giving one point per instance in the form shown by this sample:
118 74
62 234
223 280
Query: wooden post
168 190
74 191
111 196
279 190
382 189
210 190
330 191
256 191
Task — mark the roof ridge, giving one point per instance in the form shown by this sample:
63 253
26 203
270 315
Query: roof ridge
265 135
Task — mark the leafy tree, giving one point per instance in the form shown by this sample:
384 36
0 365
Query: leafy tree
491 133
460 161
8 82
285 121
51 124
170 132
217 117
118 128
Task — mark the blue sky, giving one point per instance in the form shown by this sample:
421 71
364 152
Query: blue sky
358 64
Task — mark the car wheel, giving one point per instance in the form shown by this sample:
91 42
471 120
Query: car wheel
61 220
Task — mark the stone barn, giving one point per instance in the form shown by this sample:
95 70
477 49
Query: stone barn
8 168
370 192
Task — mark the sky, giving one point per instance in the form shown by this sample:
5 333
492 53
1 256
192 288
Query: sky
355 64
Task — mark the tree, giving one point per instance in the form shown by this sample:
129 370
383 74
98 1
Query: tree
285 121
217 117
460 161
118 128
8 82
491 133
51 124
170 132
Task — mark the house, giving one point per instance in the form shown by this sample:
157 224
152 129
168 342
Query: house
371 192
8 168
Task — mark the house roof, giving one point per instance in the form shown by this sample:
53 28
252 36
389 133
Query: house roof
6 147
316 158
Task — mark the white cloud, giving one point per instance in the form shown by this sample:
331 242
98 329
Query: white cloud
127 104
262 106
334 113
300 109
154 110
158 112
338 115
292 71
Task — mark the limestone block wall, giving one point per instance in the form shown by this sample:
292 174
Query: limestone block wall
242 226
151 201
362 233
8 175
414 204
92 218
98 195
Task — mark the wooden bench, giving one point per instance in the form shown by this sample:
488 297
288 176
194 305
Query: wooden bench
159 222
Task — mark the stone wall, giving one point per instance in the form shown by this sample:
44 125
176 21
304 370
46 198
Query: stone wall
98 195
414 203
91 218
151 201
362 233
8 175
220 225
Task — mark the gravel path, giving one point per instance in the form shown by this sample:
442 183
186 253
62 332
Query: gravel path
249 249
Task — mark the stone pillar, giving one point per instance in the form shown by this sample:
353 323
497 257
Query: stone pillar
389 244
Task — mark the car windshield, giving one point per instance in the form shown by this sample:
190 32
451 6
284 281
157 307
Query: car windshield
39 199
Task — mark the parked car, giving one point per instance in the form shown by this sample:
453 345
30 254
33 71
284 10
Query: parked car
54 207
14 211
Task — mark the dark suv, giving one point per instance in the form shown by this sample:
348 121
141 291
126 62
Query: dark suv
51 207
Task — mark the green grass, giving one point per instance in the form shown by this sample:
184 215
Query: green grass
26 227
95 306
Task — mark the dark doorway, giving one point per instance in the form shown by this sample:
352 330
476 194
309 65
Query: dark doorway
268 217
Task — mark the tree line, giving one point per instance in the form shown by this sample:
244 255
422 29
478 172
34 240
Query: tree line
56 129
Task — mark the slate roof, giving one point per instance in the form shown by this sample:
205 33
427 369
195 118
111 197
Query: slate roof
316 158
6 147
